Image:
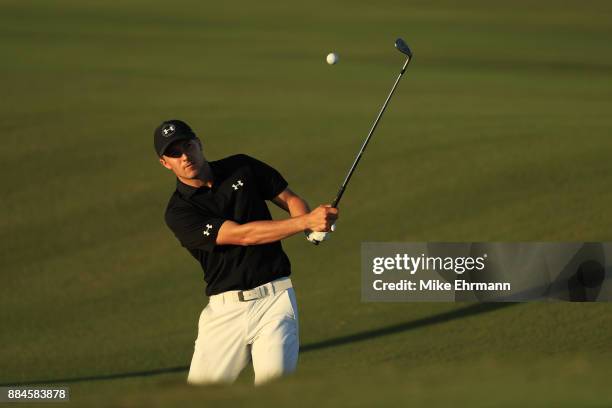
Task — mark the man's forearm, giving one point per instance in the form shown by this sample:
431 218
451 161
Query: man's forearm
264 232
297 206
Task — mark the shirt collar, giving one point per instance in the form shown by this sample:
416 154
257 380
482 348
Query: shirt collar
184 189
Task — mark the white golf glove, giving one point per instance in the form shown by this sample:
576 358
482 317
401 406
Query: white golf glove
317 237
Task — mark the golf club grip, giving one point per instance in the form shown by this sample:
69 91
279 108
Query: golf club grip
338 197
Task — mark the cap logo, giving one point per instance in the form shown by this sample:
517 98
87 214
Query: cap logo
168 130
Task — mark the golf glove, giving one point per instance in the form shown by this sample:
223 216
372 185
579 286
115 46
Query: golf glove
317 237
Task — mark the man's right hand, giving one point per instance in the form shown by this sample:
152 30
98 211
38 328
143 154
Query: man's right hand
321 218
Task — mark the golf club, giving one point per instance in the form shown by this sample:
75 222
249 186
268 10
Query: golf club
404 49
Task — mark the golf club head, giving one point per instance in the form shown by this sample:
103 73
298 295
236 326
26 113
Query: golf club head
403 47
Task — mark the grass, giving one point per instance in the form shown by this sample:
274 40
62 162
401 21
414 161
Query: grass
499 131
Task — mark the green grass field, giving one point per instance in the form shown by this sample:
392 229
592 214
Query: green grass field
500 130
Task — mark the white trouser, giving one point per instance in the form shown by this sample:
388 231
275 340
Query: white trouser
232 332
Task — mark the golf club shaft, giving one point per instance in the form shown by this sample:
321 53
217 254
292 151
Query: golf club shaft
367 140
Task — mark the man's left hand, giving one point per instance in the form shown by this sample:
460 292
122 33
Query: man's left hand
316 237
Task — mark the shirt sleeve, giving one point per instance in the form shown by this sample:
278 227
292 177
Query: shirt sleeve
194 229
270 182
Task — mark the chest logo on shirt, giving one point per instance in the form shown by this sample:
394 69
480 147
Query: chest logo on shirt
207 230
238 184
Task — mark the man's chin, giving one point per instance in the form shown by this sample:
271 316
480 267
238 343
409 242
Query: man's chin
191 174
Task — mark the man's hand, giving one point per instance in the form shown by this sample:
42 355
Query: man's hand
316 237
321 221
321 218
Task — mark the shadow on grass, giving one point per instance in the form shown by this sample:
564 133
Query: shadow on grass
475 309
471 310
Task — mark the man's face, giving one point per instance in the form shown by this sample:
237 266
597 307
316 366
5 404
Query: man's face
184 158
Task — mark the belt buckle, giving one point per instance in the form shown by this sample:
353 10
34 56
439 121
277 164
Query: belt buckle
261 293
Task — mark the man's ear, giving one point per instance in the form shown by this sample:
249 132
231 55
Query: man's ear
164 163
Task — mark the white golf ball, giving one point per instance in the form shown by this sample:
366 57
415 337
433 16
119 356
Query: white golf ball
332 58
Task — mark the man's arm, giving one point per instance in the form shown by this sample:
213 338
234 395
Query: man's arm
264 232
292 203
295 205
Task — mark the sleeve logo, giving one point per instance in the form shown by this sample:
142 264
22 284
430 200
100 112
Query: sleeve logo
207 230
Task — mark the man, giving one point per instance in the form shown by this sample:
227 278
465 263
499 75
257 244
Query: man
219 214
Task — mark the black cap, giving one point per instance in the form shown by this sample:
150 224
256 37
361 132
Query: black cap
169 132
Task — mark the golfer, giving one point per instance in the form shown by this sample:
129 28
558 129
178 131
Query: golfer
219 214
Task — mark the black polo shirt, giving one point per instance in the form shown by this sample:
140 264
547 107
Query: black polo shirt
241 184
